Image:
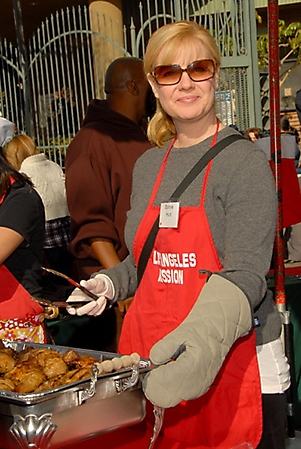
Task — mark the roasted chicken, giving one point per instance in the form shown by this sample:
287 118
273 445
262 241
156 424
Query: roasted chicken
7 362
39 369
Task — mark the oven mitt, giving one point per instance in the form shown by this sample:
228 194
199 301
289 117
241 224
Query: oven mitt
191 355
102 286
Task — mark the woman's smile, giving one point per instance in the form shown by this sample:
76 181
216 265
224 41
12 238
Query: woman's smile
188 99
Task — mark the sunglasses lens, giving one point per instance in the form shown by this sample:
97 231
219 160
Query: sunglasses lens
167 74
201 70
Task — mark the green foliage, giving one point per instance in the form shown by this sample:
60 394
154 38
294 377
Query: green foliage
263 51
289 38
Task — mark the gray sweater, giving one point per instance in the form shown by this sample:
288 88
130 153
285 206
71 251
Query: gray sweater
241 207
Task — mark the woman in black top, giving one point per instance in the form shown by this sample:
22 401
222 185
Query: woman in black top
22 227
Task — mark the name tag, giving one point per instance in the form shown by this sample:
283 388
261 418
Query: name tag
169 215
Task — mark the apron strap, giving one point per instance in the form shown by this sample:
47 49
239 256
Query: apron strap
194 172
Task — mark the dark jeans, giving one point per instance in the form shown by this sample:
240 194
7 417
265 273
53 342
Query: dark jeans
274 421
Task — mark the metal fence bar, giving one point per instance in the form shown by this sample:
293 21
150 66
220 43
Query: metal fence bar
14 92
89 85
79 51
40 106
54 91
42 64
23 60
66 90
97 89
82 53
68 71
12 82
36 116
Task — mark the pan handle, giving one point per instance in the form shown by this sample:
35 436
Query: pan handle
89 392
124 384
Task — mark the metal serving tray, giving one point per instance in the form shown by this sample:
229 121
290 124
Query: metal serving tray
72 413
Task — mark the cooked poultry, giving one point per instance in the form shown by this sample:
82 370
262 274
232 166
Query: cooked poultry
25 354
7 385
20 369
71 357
51 362
76 374
30 381
54 382
39 369
35 367
74 360
7 361
26 376
54 367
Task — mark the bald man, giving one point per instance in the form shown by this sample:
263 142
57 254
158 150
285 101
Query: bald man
99 165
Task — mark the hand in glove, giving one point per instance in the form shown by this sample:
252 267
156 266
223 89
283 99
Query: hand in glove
198 345
100 285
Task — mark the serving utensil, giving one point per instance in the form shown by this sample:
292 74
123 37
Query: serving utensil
73 303
52 304
72 282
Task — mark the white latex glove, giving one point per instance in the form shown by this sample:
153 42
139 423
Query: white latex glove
102 286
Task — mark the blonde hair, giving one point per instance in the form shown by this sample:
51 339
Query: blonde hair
167 41
18 149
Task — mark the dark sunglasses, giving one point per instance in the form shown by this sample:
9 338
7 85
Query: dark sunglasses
201 70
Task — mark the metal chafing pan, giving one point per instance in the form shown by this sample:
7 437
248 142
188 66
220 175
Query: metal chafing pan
69 414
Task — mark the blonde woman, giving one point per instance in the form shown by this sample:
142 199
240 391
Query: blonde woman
48 180
202 304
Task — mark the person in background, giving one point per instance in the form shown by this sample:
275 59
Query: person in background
290 190
287 129
7 131
292 239
49 181
202 302
253 134
99 164
65 120
292 233
22 229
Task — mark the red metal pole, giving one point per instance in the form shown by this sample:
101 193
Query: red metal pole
279 276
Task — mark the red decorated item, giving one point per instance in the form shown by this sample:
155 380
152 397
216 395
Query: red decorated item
20 317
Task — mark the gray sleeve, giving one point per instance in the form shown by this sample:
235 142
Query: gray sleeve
245 242
124 278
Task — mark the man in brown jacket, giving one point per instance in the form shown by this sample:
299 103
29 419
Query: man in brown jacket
99 165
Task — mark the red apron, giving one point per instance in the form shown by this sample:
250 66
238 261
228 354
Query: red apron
230 412
20 317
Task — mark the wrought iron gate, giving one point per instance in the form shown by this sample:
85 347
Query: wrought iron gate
67 59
